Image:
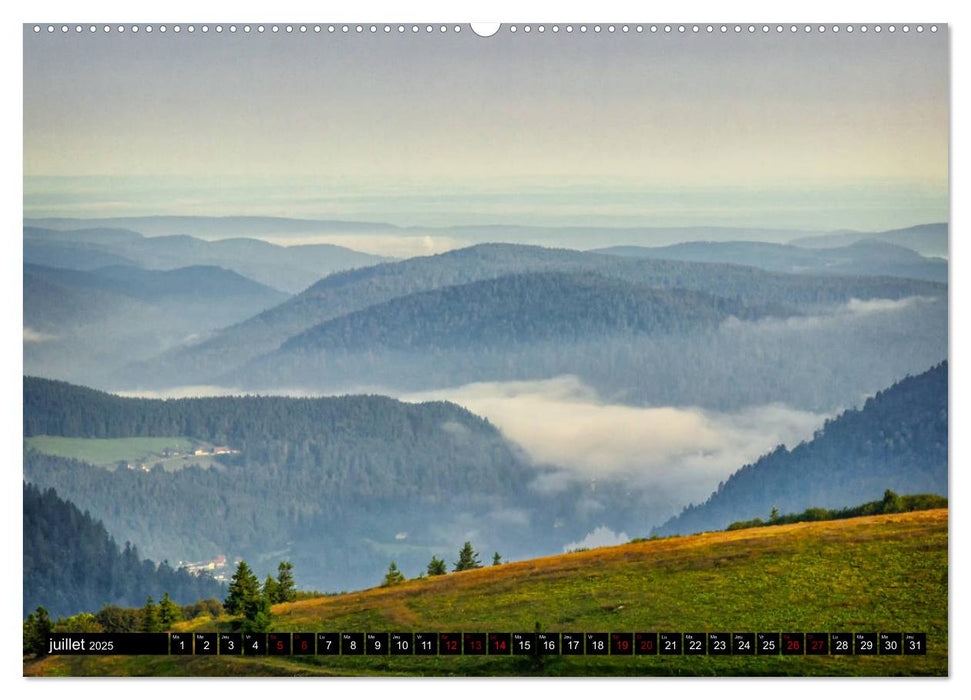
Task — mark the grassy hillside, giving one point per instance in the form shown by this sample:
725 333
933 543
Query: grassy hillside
877 573
109 451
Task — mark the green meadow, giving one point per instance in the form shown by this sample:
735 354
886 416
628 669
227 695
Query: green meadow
108 452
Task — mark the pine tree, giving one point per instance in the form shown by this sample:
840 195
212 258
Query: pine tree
243 590
257 616
113 618
774 515
436 567
168 612
82 622
287 589
468 558
149 617
891 503
271 590
248 600
394 576
496 559
36 628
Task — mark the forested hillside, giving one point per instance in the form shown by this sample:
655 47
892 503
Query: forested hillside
525 308
341 484
72 565
347 292
487 330
926 239
289 268
897 441
815 362
82 325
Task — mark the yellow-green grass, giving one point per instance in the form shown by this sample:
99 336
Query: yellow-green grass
107 452
873 574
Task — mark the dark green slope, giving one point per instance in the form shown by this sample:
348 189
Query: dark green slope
346 292
72 565
524 308
487 330
331 482
897 440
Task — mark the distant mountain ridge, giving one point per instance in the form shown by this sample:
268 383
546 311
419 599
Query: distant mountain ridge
202 281
554 235
469 327
926 239
867 256
203 226
83 325
523 308
290 268
897 440
207 281
93 235
351 291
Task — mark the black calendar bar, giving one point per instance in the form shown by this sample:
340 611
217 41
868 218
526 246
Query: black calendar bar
630 644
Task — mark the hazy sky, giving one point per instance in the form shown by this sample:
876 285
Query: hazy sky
797 130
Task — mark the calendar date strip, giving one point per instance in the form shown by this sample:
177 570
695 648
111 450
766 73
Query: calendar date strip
489 643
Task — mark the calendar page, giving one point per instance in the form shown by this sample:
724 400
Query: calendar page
544 349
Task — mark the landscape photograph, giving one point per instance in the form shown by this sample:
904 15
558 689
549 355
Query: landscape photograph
551 350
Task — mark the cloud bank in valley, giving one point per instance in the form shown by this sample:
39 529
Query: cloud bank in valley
851 312
679 453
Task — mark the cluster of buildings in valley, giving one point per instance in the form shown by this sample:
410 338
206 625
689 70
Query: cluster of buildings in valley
216 567
202 451
167 453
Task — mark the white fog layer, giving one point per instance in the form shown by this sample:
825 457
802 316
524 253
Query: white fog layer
680 451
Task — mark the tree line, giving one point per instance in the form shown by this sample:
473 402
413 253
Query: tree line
247 599
351 466
890 503
468 560
71 564
251 602
151 617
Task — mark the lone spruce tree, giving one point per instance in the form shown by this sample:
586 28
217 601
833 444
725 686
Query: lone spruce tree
36 628
394 576
168 612
244 590
892 503
271 590
257 616
149 617
286 588
436 567
468 559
